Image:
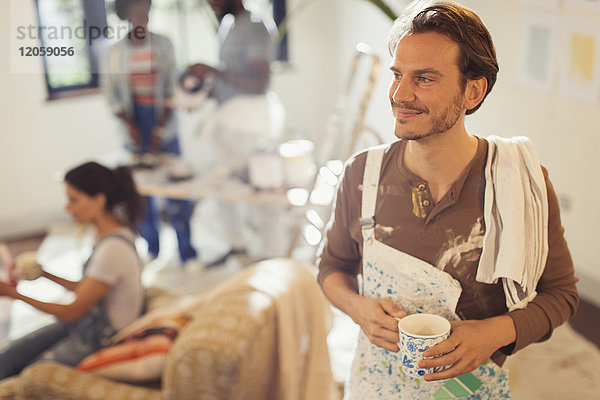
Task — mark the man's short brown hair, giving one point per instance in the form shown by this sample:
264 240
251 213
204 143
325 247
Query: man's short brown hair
122 7
477 56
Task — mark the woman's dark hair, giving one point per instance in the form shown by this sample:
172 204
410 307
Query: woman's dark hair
477 56
122 198
122 7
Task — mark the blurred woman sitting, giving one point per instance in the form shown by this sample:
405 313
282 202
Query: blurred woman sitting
109 296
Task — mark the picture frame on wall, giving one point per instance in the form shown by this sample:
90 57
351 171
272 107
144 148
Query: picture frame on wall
579 69
538 65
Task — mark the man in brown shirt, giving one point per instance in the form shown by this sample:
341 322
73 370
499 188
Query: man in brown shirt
430 200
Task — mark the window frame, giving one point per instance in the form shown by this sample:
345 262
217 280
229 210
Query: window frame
92 86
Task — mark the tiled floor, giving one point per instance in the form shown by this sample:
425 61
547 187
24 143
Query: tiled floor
565 367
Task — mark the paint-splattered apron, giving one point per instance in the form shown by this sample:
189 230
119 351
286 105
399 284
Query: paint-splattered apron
415 286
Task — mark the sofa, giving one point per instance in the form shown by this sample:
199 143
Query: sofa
261 334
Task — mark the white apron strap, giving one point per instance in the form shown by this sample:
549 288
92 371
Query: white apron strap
370 186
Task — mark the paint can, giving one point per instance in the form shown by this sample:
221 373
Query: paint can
298 162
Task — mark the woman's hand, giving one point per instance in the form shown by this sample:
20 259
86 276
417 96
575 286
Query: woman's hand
87 294
7 290
378 320
471 343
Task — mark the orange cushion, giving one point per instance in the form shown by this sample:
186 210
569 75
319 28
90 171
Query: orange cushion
139 357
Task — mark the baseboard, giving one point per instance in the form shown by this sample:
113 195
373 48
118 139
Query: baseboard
33 224
589 287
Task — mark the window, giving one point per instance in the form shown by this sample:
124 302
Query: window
88 26
275 9
68 24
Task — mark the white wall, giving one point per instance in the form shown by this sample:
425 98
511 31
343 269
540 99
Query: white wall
39 138
308 88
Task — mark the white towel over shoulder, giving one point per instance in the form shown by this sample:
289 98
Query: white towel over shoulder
515 243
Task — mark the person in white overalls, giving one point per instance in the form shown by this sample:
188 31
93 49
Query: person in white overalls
443 67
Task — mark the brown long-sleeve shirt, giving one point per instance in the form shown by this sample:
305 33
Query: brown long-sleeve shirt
448 235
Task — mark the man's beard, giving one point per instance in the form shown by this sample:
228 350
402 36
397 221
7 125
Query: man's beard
440 123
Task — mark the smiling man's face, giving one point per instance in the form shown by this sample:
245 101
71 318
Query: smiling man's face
425 93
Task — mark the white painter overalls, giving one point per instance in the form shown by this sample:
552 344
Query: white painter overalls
416 287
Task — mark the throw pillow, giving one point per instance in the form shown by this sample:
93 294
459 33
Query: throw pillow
139 357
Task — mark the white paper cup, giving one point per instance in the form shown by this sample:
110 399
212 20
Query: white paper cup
417 333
